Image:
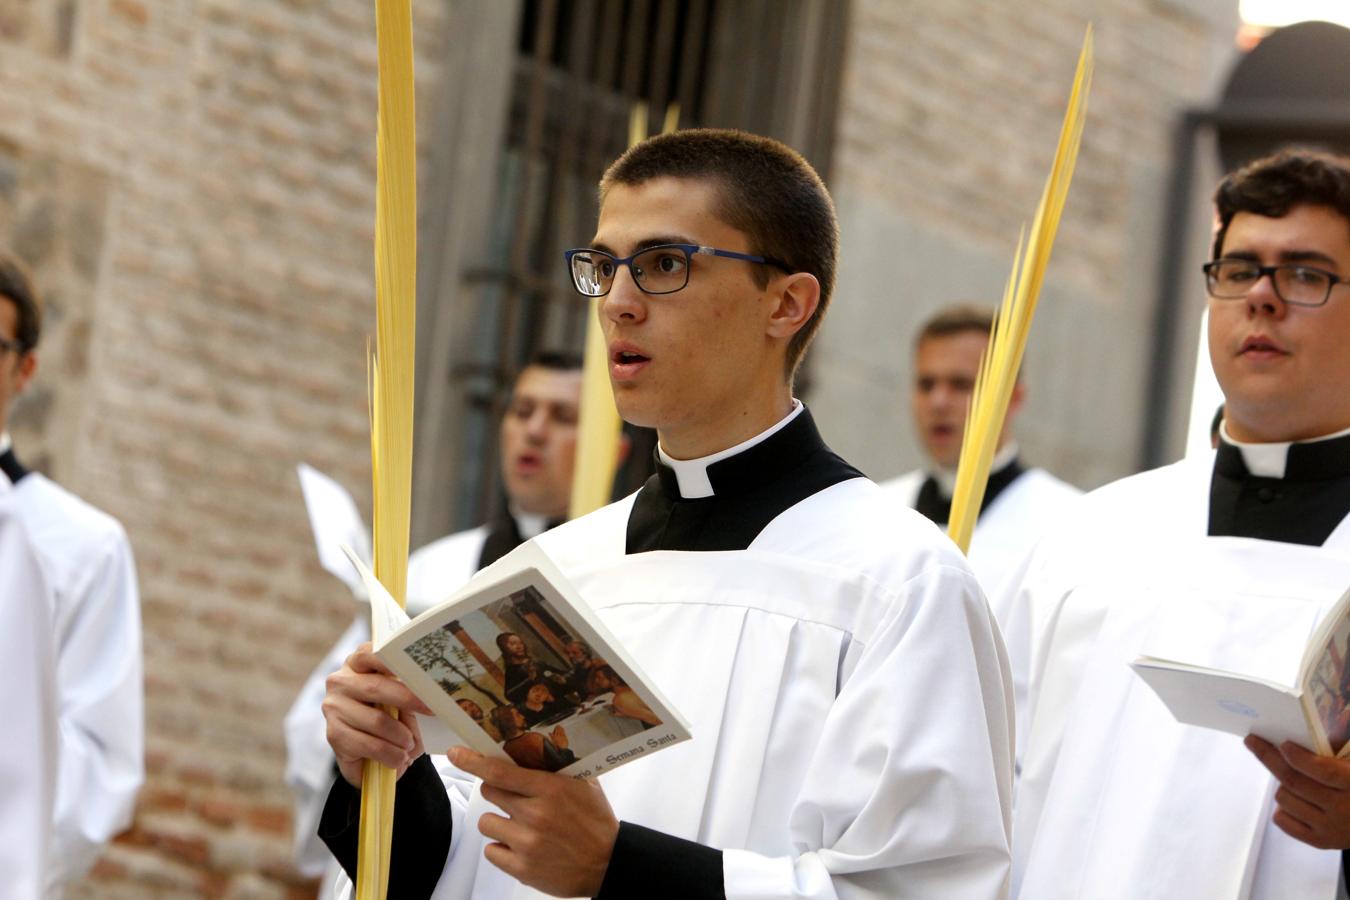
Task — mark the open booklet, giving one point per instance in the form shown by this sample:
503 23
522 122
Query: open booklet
516 665
1315 712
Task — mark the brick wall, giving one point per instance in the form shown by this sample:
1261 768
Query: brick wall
193 182
947 128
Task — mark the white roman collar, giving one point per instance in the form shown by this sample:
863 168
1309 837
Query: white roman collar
1268 460
528 525
946 478
692 474
5 442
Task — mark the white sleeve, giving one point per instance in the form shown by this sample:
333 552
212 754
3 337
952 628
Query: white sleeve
28 709
309 759
101 719
909 792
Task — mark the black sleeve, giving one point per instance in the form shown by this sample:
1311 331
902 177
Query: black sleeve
657 866
421 830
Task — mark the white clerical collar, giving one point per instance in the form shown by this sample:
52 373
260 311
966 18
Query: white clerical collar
5 443
1269 460
946 478
692 474
528 525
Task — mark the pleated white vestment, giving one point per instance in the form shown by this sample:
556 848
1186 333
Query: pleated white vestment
1117 800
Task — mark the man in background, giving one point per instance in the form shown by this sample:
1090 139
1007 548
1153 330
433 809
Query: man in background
538 448
96 620
1020 502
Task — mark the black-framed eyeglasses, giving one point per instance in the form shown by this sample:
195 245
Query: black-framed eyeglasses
663 269
8 346
1298 285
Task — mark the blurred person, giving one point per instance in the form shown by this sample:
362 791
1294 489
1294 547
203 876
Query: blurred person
1019 502
811 604
538 445
95 619
28 707
1223 560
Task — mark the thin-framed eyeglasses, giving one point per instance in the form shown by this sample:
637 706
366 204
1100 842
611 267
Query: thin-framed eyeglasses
9 346
1296 284
663 269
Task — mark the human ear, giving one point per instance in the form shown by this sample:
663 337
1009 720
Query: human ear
794 300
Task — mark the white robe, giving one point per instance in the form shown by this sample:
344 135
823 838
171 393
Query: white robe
28 710
434 572
847 693
96 620
1117 799
1006 530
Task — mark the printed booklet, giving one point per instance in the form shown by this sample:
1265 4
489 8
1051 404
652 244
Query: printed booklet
516 665
1314 713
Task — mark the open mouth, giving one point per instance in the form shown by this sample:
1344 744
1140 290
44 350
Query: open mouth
628 358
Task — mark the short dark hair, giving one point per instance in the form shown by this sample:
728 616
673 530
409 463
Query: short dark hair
1275 184
765 189
555 360
16 286
956 320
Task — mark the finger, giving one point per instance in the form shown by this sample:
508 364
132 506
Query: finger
505 831
352 746
1284 773
1299 807
504 858
375 689
1326 770
1299 830
503 800
501 773
409 719
345 715
363 659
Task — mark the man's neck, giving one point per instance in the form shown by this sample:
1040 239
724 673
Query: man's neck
705 438
1268 458
692 474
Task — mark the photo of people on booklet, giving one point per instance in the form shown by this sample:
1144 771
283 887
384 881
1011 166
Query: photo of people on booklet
516 667
1330 686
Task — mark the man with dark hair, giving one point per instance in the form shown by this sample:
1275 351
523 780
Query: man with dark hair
538 444
762 583
1224 561
96 620
1019 502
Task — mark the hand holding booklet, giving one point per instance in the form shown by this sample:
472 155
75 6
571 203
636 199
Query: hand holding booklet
1314 712
515 665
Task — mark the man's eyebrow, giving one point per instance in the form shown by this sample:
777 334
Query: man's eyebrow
1300 256
645 243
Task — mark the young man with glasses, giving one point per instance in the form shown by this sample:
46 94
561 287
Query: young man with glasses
844 679
1225 561
96 620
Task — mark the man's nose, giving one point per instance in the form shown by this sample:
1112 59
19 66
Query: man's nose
625 300
1263 299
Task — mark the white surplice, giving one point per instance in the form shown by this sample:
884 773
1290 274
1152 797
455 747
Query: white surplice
96 620
1117 800
847 692
1007 528
28 708
434 572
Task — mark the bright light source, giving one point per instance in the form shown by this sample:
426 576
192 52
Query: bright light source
1277 13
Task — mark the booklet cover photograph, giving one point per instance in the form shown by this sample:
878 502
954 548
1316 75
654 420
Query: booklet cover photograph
530 683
